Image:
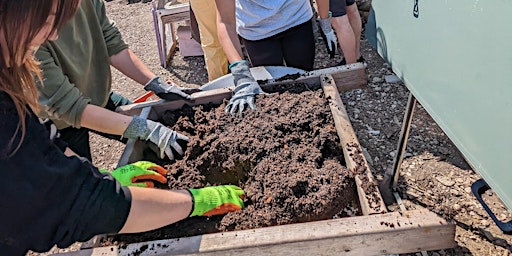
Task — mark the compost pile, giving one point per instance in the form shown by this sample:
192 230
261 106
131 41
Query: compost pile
285 155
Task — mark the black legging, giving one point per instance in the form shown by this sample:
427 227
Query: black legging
294 47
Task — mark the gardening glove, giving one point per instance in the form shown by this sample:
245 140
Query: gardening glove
163 137
167 91
139 174
330 37
245 88
216 200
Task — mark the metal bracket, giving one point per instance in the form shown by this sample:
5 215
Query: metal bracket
478 188
402 141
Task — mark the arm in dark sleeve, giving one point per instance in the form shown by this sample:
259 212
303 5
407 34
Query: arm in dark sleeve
48 198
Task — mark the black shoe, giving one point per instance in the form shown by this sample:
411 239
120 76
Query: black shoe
344 62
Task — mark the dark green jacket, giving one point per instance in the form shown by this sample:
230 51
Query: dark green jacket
76 67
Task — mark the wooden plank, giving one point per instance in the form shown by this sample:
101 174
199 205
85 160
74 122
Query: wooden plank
347 77
167 9
133 149
389 233
160 106
370 199
175 17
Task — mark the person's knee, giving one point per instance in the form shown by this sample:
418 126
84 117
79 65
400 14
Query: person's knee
352 10
340 24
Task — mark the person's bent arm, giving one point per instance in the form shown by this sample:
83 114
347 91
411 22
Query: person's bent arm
130 65
103 120
226 30
154 208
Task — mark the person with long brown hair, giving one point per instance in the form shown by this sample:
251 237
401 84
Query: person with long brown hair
48 198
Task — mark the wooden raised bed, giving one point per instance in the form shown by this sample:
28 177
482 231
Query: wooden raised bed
376 232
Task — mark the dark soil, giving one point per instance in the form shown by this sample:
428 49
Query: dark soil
285 155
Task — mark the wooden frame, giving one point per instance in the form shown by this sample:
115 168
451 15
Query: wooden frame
389 233
348 77
376 232
164 19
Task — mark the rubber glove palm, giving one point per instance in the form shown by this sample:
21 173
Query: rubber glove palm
168 91
330 37
165 138
139 174
216 200
245 88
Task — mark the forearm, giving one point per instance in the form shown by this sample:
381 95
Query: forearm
155 208
103 120
323 8
226 30
129 64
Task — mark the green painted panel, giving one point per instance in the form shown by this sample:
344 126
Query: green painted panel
456 59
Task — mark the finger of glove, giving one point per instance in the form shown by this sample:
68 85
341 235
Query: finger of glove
182 137
223 209
177 147
228 107
145 164
329 39
237 190
152 176
169 153
250 102
157 168
144 184
170 96
189 90
234 107
241 106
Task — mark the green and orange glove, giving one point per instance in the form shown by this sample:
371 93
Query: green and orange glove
216 200
139 174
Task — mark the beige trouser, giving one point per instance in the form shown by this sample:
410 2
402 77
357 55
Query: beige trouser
214 56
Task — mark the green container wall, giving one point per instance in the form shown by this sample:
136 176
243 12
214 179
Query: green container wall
455 56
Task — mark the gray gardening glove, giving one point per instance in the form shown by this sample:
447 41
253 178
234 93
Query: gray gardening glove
166 91
245 88
165 138
325 25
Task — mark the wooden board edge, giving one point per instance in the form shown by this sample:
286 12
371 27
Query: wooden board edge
347 77
215 96
387 233
366 186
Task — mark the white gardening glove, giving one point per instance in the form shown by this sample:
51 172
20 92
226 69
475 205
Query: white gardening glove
163 137
330 37
245 88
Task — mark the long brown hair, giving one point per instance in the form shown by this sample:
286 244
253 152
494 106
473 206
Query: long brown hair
20 22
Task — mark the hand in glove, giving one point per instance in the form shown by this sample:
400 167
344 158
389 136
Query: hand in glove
330 37
245 88
168 91
216 200
163 137
139 174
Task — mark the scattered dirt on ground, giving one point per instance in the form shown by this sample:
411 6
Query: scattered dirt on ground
434 175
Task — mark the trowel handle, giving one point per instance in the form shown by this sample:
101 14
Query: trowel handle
478 188
144 97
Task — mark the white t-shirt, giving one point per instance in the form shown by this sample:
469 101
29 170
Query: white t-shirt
259 19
